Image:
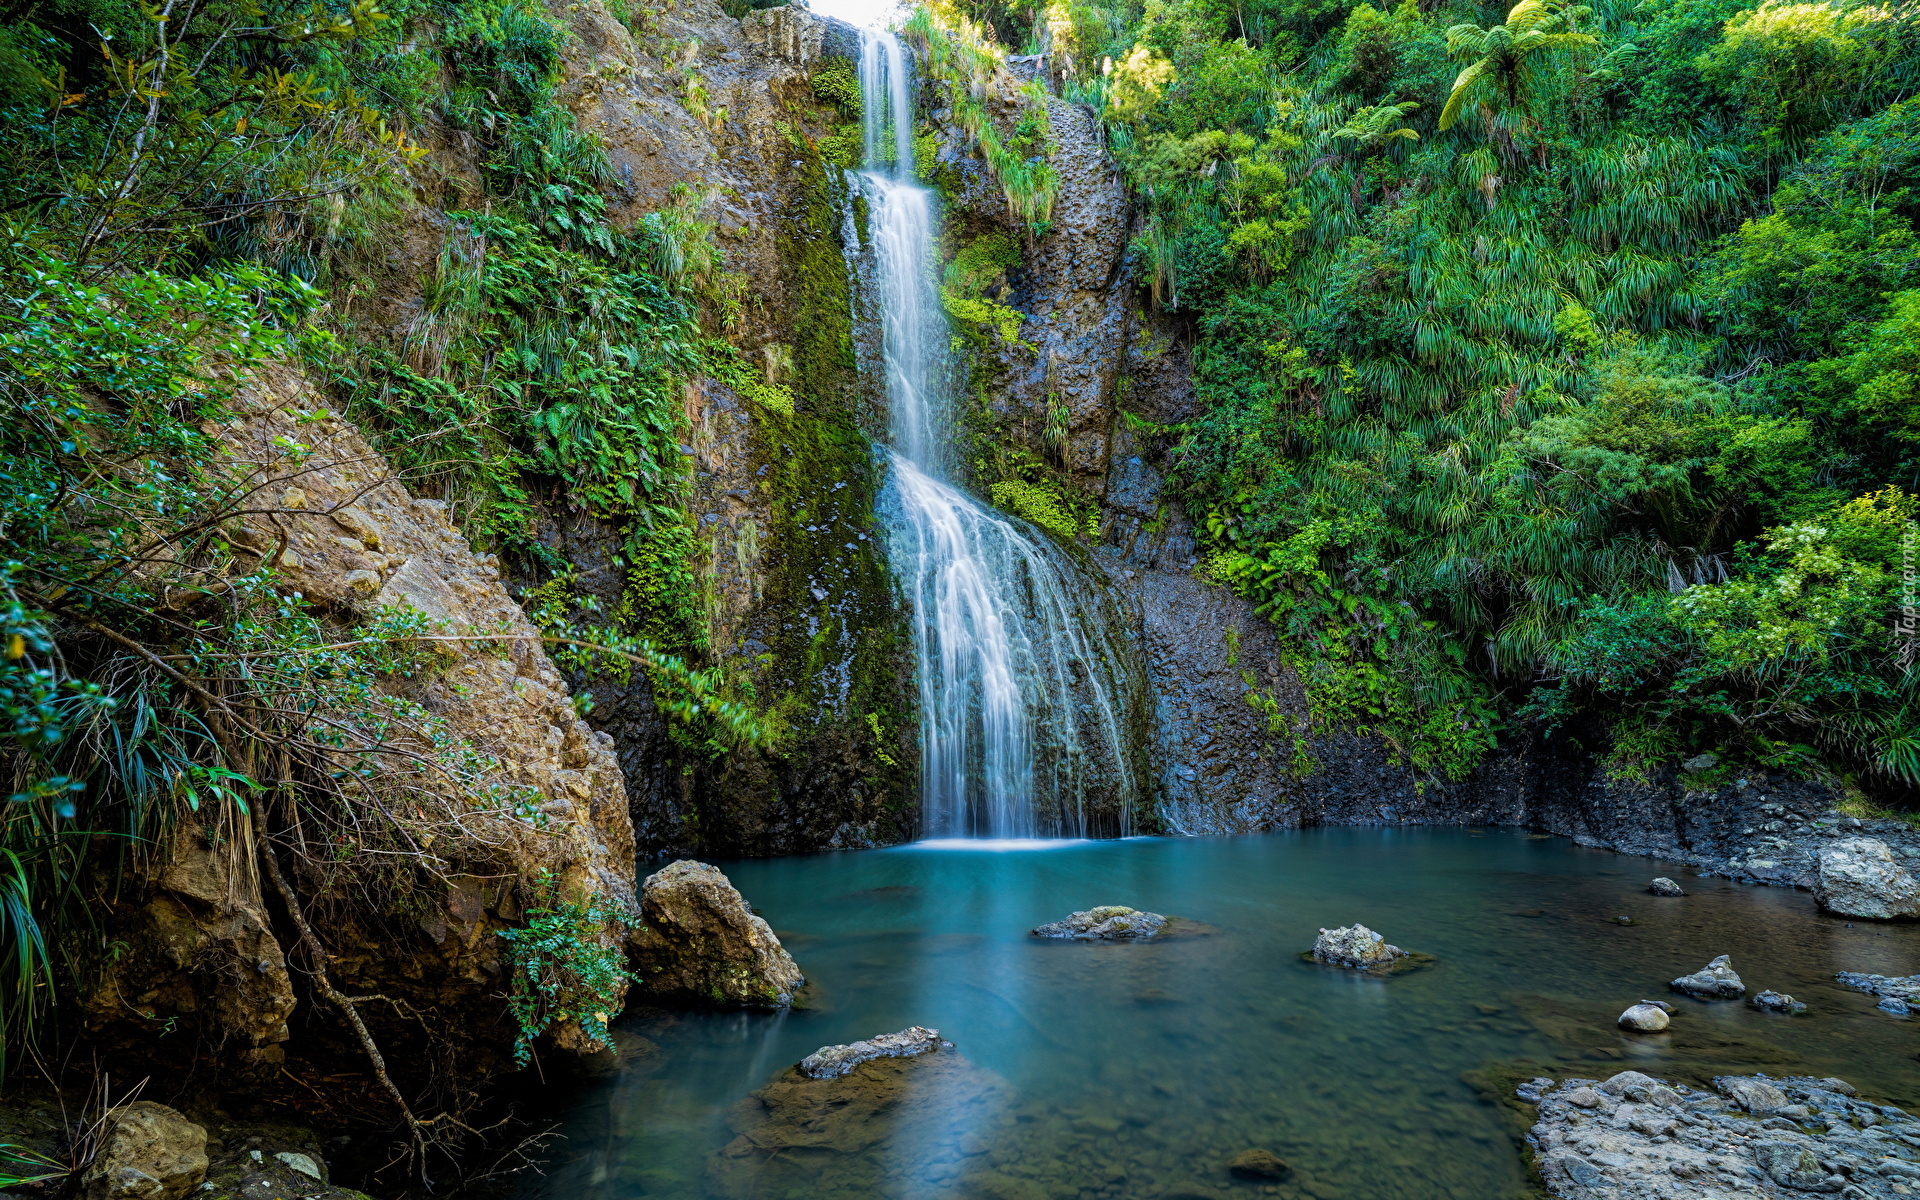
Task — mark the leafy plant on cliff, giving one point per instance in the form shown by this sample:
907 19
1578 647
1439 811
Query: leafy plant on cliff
567 965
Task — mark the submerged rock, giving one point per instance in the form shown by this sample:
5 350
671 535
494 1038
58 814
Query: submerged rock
1666 887
1860 877
1668 1140
872 1131
1774 1001
700 943
1899 994
1356 947
1645 1018
1113 922
1258 1164
831 1062
147 1152
1715 981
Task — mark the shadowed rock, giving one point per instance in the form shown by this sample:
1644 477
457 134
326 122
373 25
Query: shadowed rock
1666 887
699 943
147 1152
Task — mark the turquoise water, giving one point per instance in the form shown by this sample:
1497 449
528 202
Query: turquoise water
1115 1072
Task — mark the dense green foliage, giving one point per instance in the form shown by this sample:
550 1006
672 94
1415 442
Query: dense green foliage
203 190
1556 364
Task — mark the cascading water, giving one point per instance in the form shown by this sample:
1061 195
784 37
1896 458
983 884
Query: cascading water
1025 701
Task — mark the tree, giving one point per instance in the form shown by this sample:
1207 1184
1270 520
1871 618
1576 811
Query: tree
1506 55
1372 130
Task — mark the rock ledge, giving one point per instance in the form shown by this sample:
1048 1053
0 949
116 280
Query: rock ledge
831 1062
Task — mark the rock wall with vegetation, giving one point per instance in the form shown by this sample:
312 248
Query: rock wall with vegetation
434 453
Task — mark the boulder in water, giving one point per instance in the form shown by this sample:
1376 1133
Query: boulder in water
1666 887
867 1132
1112 922
1645 1018
1860 877
1355 947
831 1062
1258 1164
1715 981
699 943
1773 1001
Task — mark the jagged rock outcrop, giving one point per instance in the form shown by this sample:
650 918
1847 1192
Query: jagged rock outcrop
146 1151
699 943
1860 877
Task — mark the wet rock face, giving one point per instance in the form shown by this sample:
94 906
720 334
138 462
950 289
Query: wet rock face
1354 946
831 1062
147 1152
1110 922
1634 1136
872 1131
699 943
1715 981
801 601
1861 877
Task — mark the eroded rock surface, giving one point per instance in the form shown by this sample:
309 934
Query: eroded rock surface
831 1062
1355 946
147 1152
1715 981
698 942
1861 877
1634 1137
1112 922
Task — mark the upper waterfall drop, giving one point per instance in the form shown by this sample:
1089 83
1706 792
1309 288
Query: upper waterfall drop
1027 705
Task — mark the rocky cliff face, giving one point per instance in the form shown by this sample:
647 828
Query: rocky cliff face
537 806
736 118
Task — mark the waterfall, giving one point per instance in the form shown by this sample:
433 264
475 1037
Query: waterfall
1026 698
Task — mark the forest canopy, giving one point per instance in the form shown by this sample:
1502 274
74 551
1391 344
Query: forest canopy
1557 364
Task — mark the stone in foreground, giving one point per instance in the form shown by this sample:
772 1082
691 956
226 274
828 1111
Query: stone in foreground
1355 947
1666 887
1112 922
1258 1164
1715 981
831 1062
1860 877
147 1152
699 943
1635 1137
1645 1018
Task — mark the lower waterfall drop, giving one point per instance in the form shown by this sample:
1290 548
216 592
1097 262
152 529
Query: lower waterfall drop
1027 704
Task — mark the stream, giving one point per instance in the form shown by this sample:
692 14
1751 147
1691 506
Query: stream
1119 1071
